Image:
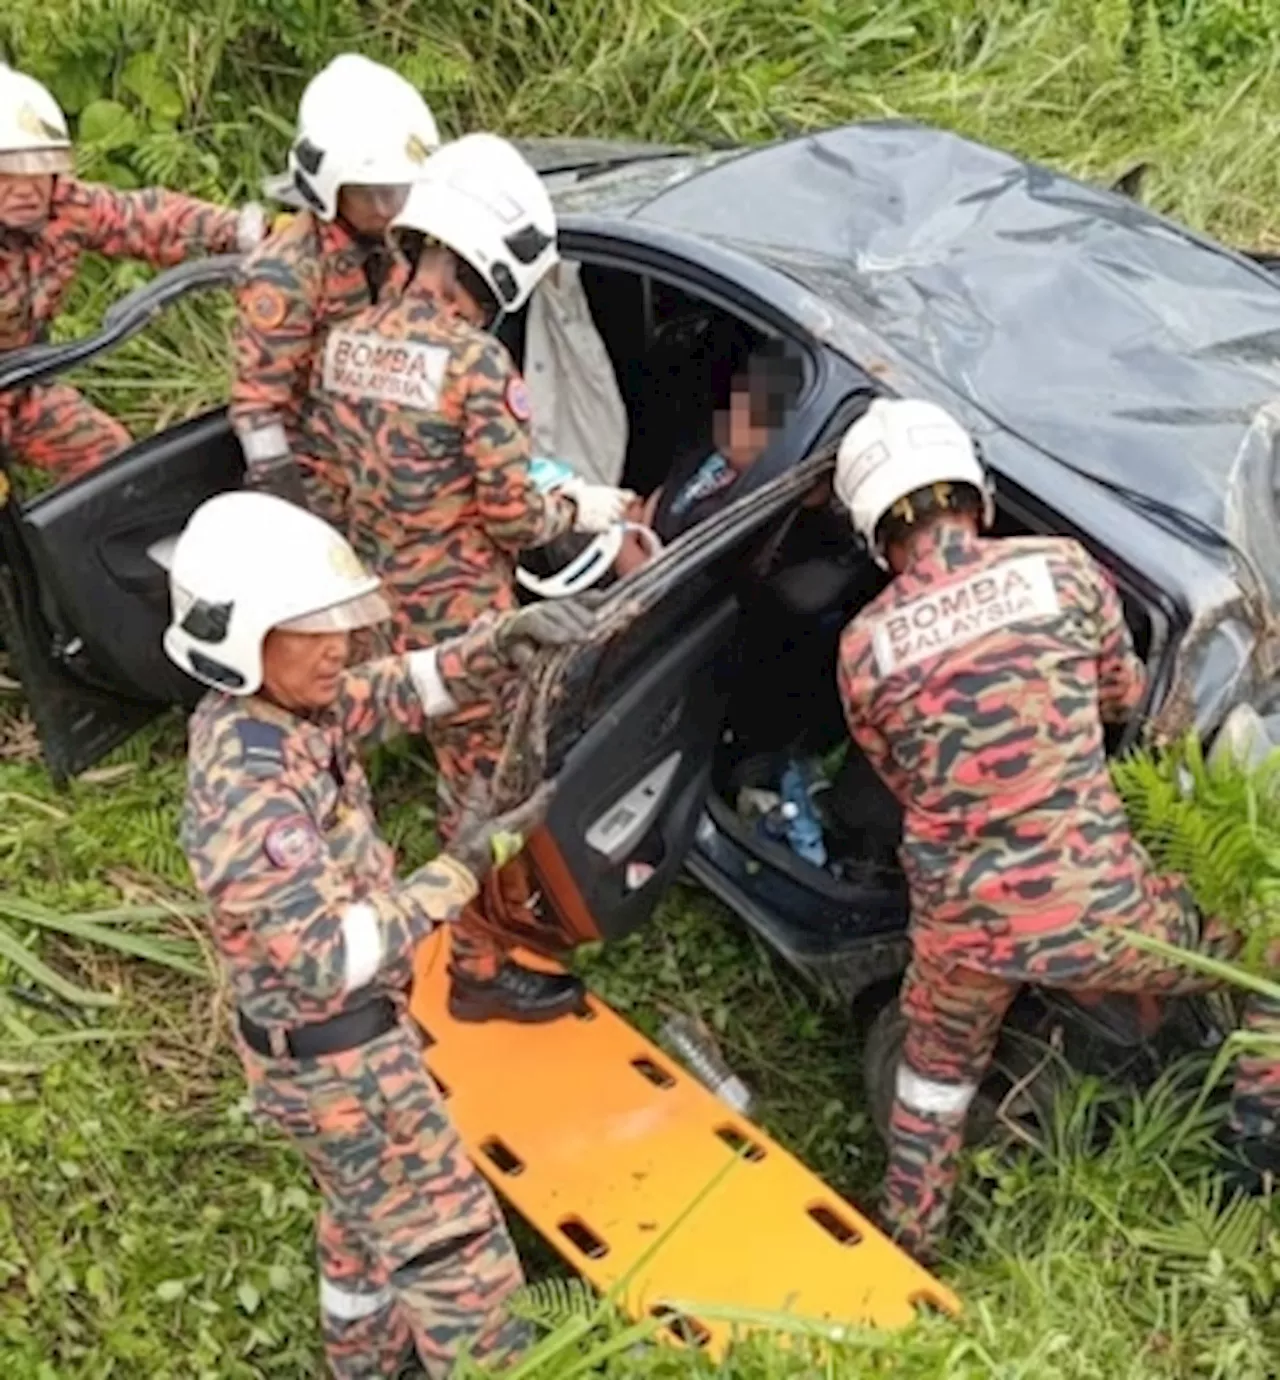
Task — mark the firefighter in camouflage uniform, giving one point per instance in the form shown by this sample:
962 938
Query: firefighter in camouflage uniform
363 136
977 684
424 415
317 932
48 221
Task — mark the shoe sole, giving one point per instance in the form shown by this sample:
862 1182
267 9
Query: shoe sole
476 1009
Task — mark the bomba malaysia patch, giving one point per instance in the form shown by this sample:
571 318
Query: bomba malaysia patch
392 371
291 843
955 614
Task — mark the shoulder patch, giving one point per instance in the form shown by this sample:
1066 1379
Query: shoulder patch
265 306
291 843
261 747
517 398
363 364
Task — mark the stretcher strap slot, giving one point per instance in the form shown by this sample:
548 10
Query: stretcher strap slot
684 1329
576 1231
929 1306
742 1145
834 1225
656 1075
502 1156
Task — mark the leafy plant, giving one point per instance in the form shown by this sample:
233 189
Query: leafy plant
1219 826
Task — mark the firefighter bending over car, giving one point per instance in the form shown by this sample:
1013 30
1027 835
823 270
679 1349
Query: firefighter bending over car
977 684
48 221
422 414
316 931
363 136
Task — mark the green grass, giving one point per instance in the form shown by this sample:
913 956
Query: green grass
149 1228
146 1227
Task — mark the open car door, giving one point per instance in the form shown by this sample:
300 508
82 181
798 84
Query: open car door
82 603
631 727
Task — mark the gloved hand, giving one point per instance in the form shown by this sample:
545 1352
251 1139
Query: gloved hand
599 506
481 844
519 637
251 227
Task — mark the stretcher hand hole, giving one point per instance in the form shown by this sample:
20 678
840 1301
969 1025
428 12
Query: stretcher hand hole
684 1329
656 1075
502 1157
576 1231
742 1145
834 1225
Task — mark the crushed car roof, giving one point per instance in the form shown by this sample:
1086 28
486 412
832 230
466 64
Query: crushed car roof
1092 328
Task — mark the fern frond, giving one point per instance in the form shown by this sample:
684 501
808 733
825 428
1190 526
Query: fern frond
550 1303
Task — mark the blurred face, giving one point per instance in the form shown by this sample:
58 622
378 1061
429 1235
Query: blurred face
370 210
24 200
741 432
301 671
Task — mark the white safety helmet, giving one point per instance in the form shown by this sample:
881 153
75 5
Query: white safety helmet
33 129
479 197
359 125
249 562
897 446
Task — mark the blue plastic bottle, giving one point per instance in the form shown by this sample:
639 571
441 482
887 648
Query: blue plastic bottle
804 832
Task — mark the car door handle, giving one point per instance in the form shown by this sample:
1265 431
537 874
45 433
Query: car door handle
617 832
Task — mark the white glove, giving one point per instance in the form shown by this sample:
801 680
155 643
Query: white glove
251 227
600 506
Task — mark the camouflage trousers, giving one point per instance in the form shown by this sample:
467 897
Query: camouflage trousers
955 1004
468 747
51 427
413 1251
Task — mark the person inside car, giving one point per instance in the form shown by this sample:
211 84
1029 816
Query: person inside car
422 412
49 220
977 685
364 134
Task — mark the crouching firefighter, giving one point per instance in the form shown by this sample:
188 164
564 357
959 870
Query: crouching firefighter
977 684
48 221
422 411
317 932
364 134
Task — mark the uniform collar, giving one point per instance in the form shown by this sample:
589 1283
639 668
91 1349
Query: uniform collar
943 548
317 737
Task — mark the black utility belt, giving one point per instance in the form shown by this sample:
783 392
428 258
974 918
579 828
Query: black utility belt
346 1031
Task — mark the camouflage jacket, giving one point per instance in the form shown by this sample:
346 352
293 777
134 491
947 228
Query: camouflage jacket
429 420
279 830
304 278
158 226
977 685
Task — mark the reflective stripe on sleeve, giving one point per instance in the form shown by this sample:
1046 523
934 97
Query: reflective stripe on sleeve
362 945
425 670
927 1095
264 443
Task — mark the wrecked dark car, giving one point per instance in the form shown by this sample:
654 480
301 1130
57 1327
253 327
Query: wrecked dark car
1121 374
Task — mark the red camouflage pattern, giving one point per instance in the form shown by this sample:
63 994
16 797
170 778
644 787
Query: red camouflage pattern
977 684
425 417
51 427
281 837
303 279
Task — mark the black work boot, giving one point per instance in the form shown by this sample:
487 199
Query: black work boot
515 993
